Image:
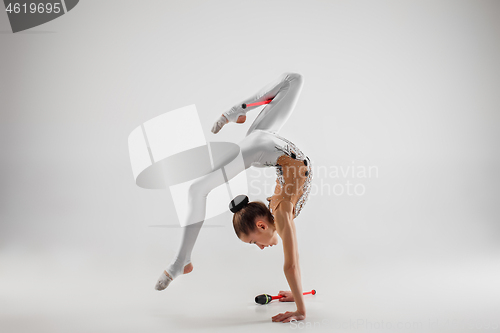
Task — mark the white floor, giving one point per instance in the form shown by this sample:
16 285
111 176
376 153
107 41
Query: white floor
76 292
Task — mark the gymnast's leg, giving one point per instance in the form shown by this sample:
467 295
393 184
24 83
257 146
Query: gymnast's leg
276 113
284 92
197 195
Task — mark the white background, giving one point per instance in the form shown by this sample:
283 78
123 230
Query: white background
410 87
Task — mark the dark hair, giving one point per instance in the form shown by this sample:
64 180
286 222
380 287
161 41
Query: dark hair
244 219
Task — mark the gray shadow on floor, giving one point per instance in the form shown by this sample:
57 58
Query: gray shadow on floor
209 323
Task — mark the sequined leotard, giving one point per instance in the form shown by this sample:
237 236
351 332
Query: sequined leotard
293 169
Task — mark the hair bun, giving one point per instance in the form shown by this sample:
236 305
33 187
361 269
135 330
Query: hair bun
238 203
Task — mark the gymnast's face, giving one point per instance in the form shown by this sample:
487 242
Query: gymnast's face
264 236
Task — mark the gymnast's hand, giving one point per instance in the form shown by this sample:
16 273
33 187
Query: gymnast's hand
289 316
223 121
287 296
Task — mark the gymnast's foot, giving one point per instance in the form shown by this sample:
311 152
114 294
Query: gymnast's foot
165 278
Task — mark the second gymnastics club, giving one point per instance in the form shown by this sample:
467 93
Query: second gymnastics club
265 298
244 106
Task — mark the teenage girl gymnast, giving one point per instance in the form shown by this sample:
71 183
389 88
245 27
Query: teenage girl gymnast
254 222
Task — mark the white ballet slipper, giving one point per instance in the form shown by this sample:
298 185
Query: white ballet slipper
219 124
163 281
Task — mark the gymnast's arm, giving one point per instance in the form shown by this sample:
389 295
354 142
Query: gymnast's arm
285 226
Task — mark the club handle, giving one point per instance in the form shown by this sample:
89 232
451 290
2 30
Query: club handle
244 106
305 293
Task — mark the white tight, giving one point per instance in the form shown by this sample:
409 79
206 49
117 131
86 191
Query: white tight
284 91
